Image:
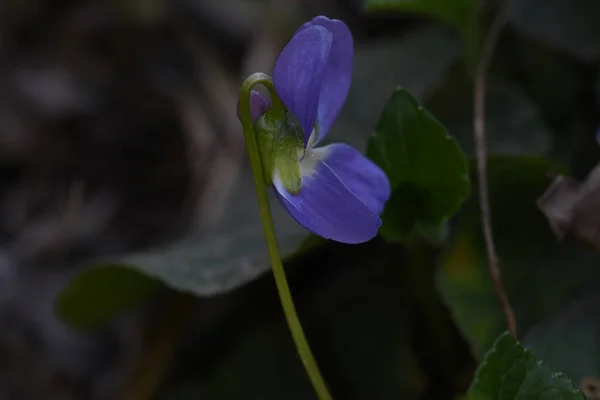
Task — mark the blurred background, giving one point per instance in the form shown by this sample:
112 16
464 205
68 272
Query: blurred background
119 141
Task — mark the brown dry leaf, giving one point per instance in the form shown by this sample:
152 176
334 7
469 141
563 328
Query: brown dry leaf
574 207
590 387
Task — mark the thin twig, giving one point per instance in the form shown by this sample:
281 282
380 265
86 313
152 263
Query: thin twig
63 239
479 125
159 351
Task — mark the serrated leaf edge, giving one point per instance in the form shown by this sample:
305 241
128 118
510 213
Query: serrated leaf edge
539 363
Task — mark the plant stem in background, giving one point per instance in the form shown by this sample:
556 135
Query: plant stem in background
269 230
469 33
480 146
159 352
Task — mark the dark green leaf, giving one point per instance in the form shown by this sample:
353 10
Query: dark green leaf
96 296
539 273
509 371
427 170
363 353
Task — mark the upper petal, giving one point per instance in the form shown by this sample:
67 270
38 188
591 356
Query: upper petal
339 206
338 73
299 74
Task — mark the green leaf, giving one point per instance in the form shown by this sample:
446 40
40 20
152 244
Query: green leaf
509 371
93 298
569 25
539 274
427 170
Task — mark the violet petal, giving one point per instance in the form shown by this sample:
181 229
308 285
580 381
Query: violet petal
299 74
258 105
337 200
362 177
338 74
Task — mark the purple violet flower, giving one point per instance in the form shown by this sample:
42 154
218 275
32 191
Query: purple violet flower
343 192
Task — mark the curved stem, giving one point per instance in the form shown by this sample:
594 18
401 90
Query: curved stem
269 230
480 148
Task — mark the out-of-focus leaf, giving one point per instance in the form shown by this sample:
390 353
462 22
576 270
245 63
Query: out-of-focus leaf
427 170
509 371
569 340
461 13
458 12
227 256
216 260
357 325
569 25
96 296
514 124
539 274
262 365
418 60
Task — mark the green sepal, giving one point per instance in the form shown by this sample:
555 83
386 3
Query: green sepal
265 129
280 142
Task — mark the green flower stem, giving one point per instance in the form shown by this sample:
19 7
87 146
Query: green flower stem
269 230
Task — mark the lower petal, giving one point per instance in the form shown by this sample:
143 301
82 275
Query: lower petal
360 175
328 207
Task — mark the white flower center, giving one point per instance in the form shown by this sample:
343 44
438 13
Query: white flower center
312 156
307 160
